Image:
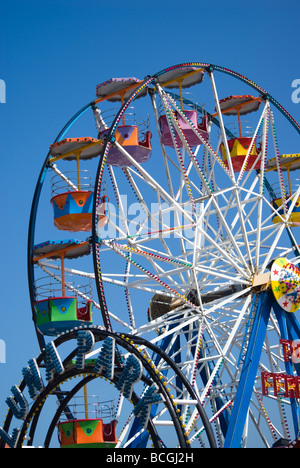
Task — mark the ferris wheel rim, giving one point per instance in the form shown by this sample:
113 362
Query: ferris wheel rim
208 67
77 115
132 97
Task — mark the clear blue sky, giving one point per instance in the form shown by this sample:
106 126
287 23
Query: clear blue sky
53 53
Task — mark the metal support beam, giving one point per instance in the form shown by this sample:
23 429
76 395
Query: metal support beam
289 331
243 396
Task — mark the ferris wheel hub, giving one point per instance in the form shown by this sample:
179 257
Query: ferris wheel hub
261 281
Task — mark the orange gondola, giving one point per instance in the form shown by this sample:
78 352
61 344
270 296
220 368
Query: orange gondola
73 207
87 431
137 145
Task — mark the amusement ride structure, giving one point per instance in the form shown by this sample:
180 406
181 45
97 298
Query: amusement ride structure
162 265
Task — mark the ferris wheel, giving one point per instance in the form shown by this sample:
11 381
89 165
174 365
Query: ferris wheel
188 208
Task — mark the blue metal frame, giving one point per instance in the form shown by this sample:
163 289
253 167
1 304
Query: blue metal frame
249 371
142 440
289 329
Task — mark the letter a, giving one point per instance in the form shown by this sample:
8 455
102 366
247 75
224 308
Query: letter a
11 441
33 378
106 361
86 343
143 408
53 362
132 373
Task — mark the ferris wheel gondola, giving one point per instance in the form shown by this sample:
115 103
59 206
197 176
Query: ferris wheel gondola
127 135
287 201
242 147
73 208
58 302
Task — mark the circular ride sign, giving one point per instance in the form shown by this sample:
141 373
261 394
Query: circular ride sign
285 282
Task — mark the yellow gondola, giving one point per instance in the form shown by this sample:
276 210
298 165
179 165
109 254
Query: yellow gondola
288 163
239 146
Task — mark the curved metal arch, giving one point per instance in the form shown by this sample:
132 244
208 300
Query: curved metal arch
39 406
129 343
